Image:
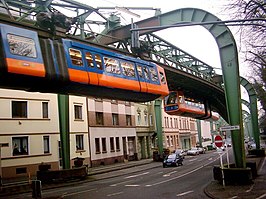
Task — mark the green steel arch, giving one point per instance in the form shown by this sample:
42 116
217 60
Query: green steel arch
252 105
230 66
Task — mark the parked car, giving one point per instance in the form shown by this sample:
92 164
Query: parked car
193 151
181 152
201 150
173 160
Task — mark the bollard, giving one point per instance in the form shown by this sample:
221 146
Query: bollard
36 189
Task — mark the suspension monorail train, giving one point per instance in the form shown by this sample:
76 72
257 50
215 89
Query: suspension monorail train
177 104
34 62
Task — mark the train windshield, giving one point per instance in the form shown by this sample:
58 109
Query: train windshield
171 98
22 46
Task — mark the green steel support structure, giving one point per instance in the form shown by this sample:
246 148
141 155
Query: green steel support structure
199 132
253 109
63 109
230 67
159 127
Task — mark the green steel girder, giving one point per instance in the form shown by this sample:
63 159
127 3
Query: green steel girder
253 109
24 11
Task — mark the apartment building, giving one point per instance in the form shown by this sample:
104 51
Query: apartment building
29 130
30 135
112 131
179 132
145 129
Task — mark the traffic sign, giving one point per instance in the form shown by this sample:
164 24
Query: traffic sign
218 141
229 128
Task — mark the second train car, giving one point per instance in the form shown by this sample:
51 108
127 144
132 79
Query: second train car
177 104
64 65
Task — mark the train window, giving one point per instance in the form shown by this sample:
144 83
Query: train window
89 59
128 69
22 46
112 65
139 68
75 56
146 72
98 61
162 77
181 99
154 76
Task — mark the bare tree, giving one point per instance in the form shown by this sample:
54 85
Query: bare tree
253 38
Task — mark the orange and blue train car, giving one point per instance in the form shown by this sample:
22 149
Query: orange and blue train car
33 62
176 103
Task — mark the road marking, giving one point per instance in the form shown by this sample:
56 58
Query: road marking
174 178
168 174
185 193
131 185
114 185
76 193
262 196
210 159
193 160
141 174
114 194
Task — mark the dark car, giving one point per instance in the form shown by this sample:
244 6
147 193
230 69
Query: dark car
173 160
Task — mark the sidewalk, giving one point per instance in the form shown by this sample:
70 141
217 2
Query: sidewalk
22 185
257 190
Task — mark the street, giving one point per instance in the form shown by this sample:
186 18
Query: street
144 182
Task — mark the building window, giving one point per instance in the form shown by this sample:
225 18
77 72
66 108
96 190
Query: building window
46 144
20 146
115 119
112 144
151 120
104 145
44 109
19 109
146 118
139 118
167 141
78 112
79 142
97 145
99 118
171 122
128 120
171 140
117 144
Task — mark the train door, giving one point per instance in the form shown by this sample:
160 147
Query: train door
95 67
142 79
